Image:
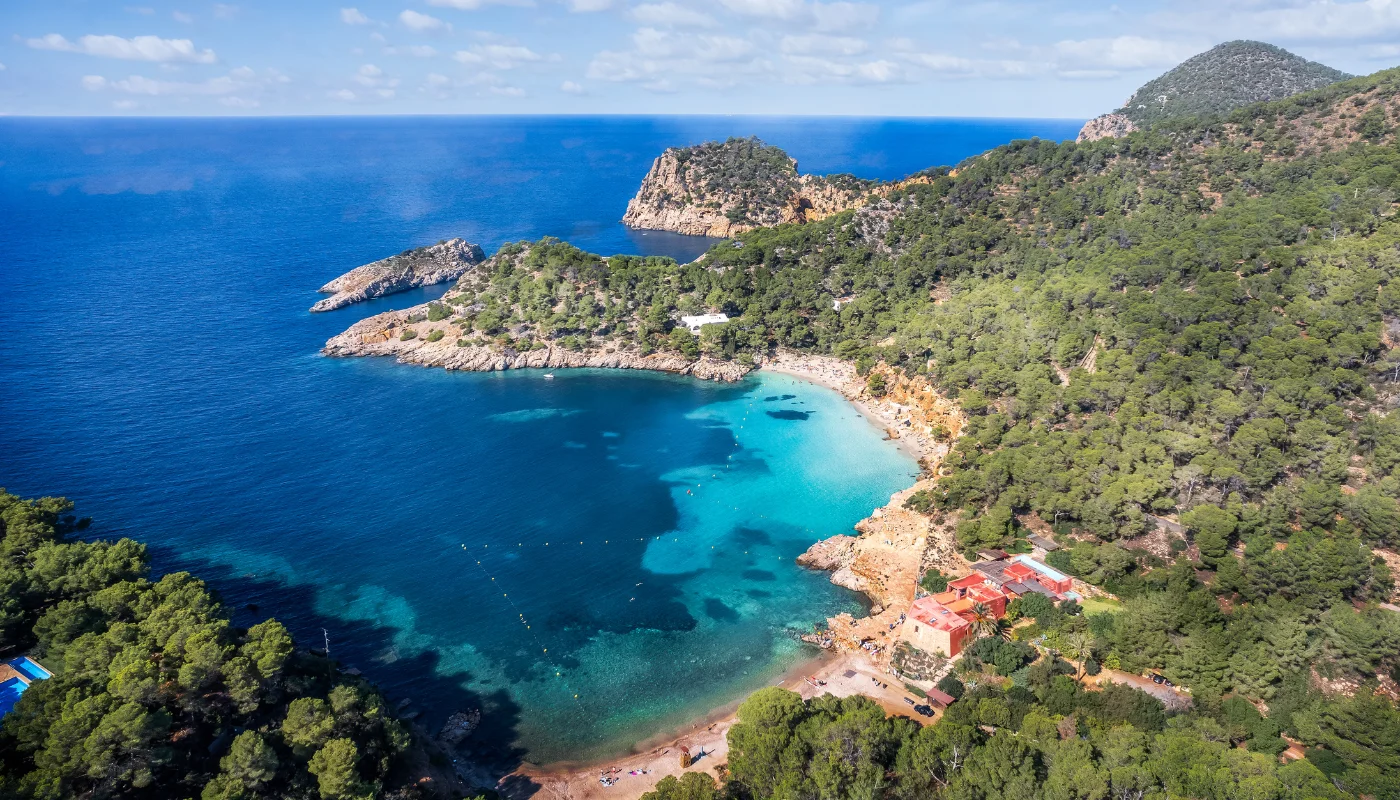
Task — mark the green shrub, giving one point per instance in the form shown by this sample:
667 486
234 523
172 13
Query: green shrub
934 582
408 334
438 312
435 336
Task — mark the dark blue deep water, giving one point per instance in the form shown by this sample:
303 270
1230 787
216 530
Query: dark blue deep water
594 559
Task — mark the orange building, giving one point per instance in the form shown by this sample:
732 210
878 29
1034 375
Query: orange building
942 623
934 628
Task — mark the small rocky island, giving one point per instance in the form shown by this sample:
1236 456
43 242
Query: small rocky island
533 305
422 266
722 189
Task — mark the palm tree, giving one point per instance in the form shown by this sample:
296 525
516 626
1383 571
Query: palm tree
1079 645
984 622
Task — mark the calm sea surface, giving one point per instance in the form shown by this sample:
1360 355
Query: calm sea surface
593 559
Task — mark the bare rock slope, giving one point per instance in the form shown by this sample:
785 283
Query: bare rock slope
423 266
725 188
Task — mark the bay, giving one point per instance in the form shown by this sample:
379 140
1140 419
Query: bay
159 367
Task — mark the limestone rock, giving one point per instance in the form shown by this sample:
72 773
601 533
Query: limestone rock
722 189
1108 126
382 335
423 266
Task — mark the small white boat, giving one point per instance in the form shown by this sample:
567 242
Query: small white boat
549 376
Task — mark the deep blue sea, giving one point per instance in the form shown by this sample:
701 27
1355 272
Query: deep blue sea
594 559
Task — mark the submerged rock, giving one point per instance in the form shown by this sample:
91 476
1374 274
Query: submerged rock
423 266
459 726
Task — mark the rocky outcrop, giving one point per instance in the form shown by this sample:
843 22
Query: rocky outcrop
722 189
1108 126
423 266
384 335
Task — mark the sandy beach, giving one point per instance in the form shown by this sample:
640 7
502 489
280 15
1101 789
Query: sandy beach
635 774
884 413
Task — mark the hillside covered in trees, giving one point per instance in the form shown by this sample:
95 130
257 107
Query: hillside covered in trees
1224 78
156 695
1198 322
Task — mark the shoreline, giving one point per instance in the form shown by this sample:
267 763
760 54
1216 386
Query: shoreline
658 755
844 674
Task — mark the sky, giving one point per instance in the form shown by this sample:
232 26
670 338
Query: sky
1011 58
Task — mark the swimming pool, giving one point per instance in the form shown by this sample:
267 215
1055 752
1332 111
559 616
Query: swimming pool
30 668
10 691
27 671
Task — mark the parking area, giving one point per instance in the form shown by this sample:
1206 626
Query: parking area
1175 699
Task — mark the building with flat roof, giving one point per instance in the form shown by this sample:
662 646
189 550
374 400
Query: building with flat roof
699 321
942 623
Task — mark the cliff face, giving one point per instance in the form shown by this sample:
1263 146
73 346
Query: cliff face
723 189
424 266
382 335
1108 126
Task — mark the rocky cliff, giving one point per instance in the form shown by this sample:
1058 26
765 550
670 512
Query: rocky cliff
409 337
423 266
725 188
1108 126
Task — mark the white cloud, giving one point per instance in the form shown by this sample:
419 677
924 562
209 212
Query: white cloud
498 56
823 16
569 87
223 11
344 95
821 44
473 5
137 48
586 6
353 16
180 16
243 80
3 67
813 69
124 105
1123 52
421 23
239 102
372 77
671 15
416 51
659 57
775 9
507 91
1297 20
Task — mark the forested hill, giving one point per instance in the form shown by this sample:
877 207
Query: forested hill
1224 78
1197 322
1227 77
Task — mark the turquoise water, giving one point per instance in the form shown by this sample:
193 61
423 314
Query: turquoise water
160 368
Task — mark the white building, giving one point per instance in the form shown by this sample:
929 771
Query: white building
696 322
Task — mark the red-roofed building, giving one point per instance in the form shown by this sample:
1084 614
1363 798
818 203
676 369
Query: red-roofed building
942 623
935 628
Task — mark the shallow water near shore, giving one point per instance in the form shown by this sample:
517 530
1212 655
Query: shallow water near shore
593 559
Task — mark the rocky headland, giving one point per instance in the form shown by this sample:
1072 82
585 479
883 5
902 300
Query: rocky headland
383 335
1108 126
722 189
422 266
